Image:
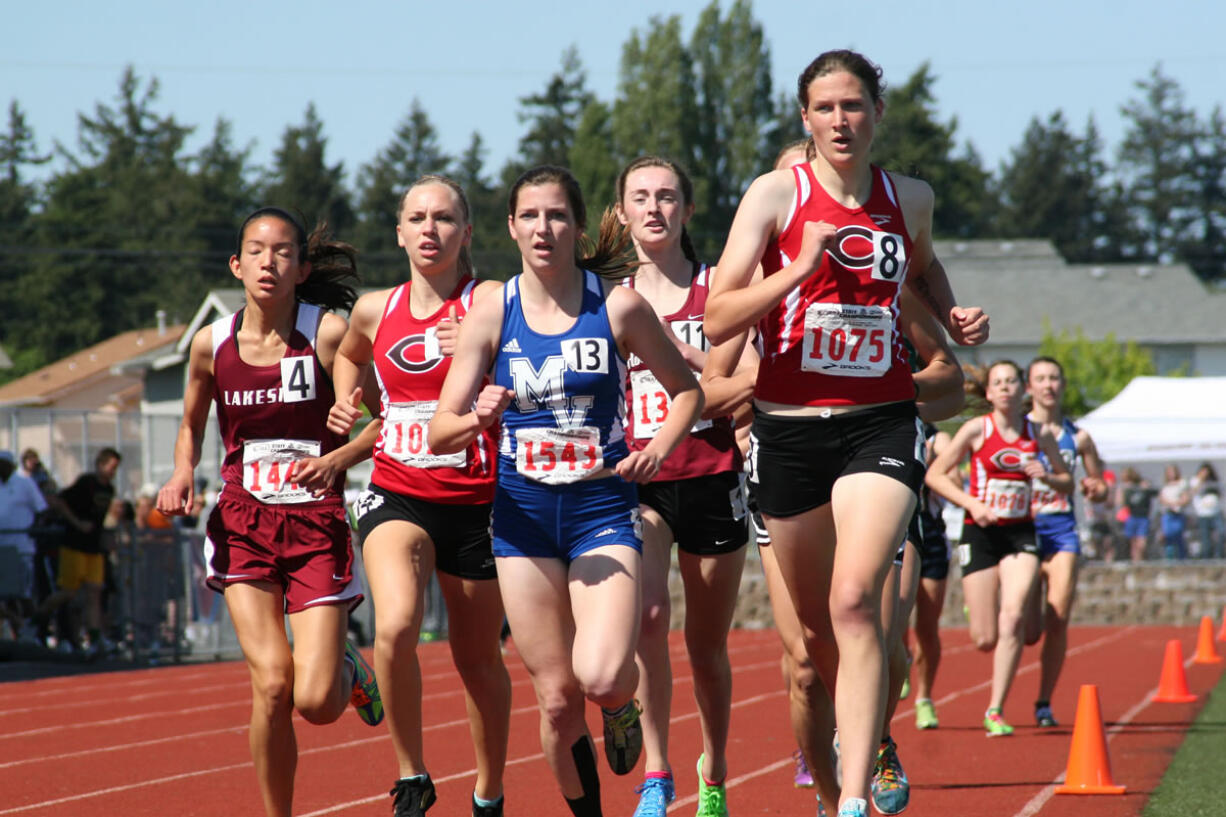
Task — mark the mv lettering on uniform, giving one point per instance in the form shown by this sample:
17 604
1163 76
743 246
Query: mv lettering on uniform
544 388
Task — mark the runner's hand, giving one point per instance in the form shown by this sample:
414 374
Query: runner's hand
345 413
968 325
447 330
491 402
640 467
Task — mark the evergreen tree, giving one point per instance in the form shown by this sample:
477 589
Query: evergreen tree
225 195
413 152
553 115
1053 187
119 223
18 199
1204 243
1156 161
911 140
736 133
301 181
494 254
592 159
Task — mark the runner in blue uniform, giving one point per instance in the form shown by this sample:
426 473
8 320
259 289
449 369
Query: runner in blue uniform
565 516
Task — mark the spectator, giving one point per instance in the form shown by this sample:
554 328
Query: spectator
1101 519
20 503
84 505
32 467
1137 498
1173 499
1207 505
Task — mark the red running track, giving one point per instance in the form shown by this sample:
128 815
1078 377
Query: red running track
173 740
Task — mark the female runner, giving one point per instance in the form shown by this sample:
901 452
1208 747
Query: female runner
425 510
999 553
1056 526
278 540
694 500
835 430
565 514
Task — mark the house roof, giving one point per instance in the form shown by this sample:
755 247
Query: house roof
51 382
1021 284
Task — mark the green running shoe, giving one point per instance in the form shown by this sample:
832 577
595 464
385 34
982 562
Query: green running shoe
995 725
712 799
925 714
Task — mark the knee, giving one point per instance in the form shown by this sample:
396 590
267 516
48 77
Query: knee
1011 621
479 668
272 689
396 638
709 661
656 619
984 641
852 607
560 702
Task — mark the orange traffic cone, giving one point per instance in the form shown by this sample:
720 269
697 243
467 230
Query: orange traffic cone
1206 653
1089 768
1221 635
1173 686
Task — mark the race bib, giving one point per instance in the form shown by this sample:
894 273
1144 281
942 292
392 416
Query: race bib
847 340
404 437
1046 500
650 404
268 470
1008 498
557 456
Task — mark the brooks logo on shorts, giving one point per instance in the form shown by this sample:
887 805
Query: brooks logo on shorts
365 503
605 532
891 462
513 346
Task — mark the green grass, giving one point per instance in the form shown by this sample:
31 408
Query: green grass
1192 785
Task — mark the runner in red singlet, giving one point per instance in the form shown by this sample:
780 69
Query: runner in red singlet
423 510
999 553
278 540
836 428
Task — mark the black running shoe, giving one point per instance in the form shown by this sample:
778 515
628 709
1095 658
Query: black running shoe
487 811
411 798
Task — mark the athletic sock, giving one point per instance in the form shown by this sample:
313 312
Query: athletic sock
486 803
585 764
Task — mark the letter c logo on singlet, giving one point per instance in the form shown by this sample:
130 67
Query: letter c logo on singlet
1010 459
858 248
416 353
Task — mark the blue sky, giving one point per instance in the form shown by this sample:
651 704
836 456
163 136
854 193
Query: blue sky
361 63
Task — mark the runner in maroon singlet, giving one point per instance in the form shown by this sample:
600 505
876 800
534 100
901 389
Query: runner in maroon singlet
278 540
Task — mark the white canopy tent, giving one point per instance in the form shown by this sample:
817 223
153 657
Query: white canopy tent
1166 419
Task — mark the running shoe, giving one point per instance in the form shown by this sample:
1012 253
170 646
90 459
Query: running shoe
854 807
891 790
906 689
493 810
1043 716
365 695
804 777
412 796
712 799
821 810
925 714
655 795
995 724
623 736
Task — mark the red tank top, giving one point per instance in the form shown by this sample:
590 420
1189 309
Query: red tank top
411 370
996 477
834 339
710 447
271 416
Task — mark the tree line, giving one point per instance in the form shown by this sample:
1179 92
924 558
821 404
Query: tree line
131 221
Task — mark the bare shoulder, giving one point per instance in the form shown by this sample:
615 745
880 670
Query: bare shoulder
912 192
370 306
484 288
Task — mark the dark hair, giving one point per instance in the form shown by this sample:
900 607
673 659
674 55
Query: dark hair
1205 466
334 264
1044 359
105 454
609 255
868 72
465 261
687 193
807 144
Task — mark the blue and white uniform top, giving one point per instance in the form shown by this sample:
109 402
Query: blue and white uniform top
566 421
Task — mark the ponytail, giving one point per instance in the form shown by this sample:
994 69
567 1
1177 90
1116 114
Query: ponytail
334 271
